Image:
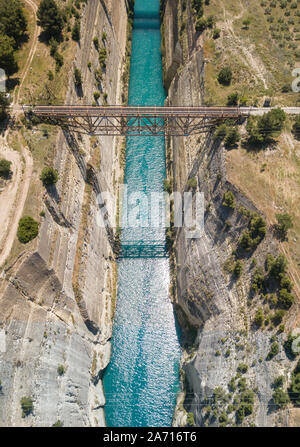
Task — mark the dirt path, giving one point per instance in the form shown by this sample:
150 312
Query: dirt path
12 199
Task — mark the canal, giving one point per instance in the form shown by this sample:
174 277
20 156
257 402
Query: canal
142 379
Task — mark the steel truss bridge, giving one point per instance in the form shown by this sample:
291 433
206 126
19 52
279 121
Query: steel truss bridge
137 121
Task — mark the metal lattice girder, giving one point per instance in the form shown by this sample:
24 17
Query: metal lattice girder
137 121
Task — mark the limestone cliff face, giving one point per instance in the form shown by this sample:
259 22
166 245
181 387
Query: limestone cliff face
208 298
57 302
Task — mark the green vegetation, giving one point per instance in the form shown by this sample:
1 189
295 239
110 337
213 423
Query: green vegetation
278 382
262 129
238 269
192 183
27 406
273 351
61 370
13 27
77 78
190 419
28 229
4 104
256 232
49 176
58 423
5 168
294 390
242 368
102 58
284 224
229 200
50 19
225 76
76 31
296 127
259 317
232 137
280 398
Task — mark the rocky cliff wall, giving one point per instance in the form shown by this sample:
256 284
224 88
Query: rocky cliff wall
207 298
57 301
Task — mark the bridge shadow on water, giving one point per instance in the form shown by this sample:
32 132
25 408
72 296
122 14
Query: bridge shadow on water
143 249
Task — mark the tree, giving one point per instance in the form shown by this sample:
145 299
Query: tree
259 317
7 55
286 299
28 229
281 398
13 22
263 129
76 31
5 168
284 224
232 137
238 269
229 200
246 23
50 19
225 76
49 176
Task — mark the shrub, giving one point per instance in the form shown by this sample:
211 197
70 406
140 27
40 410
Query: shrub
229 200
281 398
216 33
277 266
258 279
256 232
59 60
238 269
192 183
277 317
259 317
60 370
102 57
225 76
296 127
76 31
233 99
96 95
190 419
286 299
232 137
27 406
77 77
49 176
273 351
220 132
242 368
58 423
284 224
246 23
294 390
278 382
28 229
96 43
263 129
5 168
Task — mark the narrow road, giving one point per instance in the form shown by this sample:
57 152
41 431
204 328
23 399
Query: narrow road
12 199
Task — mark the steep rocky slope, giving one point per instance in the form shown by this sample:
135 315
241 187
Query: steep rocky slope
219 306
57 298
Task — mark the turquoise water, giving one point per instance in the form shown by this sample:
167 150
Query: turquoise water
142 379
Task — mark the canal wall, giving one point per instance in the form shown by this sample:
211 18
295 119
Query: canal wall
211 305
57 302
